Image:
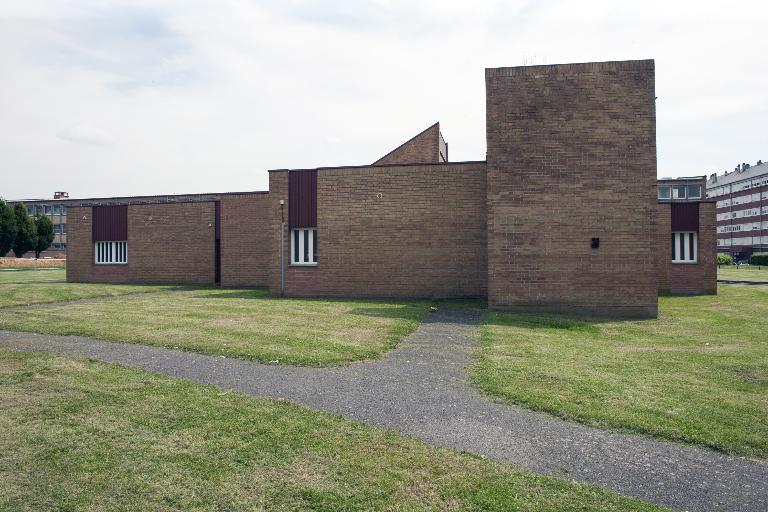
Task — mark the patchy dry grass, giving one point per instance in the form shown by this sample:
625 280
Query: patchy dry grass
92 436
249 324
39 286
32 263
698 374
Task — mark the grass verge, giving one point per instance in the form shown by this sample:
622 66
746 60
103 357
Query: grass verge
40 286
81 435
743 273
248 324
697 374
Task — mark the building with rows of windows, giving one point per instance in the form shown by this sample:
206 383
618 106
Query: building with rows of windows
741 199
56 209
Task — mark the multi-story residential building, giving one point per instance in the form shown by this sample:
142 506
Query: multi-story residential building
742 210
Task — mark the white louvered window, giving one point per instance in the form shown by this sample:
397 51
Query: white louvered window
684 247
304 246
111 253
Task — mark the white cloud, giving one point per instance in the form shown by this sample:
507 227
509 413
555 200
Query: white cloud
206 96
86 134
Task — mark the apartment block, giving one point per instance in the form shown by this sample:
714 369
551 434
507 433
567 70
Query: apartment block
741 200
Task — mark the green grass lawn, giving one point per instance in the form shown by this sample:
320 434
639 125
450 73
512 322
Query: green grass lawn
39 286
249 324
698 374
743 273
82 435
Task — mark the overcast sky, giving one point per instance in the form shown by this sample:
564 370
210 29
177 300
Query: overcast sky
103 98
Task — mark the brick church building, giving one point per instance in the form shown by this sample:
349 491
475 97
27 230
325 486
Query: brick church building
562 215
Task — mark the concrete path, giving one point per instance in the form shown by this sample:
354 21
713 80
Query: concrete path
420 390
731 281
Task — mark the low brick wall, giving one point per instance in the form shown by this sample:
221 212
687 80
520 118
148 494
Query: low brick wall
246 240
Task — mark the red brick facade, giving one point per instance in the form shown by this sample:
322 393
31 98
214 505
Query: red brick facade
688 278
246 240
424 148
168 243
402 231
562 217
572 157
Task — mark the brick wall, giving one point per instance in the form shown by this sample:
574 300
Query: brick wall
572 156
79 245
402 231
80 256
423 148
171 243
278 215
246 240
688 278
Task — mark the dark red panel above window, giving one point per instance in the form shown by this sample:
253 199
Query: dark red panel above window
302 199
685 216
110 223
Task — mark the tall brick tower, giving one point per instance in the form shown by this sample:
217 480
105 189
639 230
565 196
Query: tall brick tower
571 188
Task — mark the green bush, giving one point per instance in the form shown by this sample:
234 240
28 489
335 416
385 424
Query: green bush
26 231
758 259
724 259
45 234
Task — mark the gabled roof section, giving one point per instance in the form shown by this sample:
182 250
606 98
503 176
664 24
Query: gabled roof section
428 147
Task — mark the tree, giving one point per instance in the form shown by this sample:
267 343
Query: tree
26 234
44 230
7 228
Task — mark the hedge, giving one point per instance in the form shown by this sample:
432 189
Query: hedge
724 259
758 259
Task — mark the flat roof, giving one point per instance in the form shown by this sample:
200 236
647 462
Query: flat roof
684 178
201 196
379 166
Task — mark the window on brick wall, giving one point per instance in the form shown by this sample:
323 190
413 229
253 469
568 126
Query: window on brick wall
664 192
694 191
304 246
110 253
684 247
678 191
